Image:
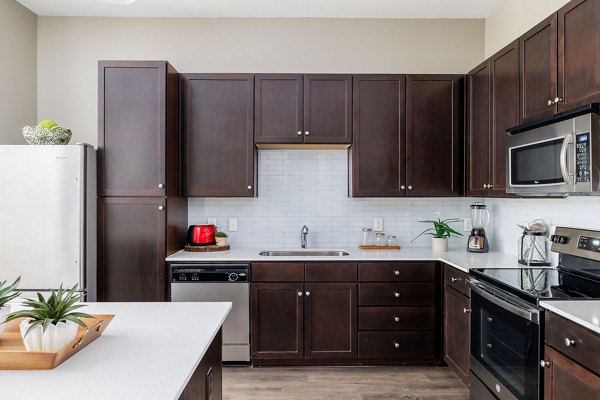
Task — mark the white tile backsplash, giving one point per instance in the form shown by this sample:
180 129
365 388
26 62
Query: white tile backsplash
297 187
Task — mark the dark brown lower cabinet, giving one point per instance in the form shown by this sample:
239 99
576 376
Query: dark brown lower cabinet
566 379
330 320
456 332
206 382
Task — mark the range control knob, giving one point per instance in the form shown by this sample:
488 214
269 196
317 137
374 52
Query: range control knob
182 277
233 277
563 240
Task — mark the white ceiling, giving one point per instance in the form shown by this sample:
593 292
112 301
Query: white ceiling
269 8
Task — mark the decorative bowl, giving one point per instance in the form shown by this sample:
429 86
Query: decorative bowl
36 135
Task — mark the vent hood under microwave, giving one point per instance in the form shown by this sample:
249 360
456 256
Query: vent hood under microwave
556 156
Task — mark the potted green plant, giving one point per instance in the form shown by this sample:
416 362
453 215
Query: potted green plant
50 323
221 238
440 233
7 293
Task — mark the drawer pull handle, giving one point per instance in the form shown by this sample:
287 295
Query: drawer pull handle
545 364
397 319
299 294
466 310
396 294
569 342
307 293
396 272
397 345
453 279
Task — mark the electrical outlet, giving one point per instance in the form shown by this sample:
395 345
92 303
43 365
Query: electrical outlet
232 224
212 221
378 224
468 225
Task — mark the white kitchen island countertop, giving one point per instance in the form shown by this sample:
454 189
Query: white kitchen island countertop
458 258
148 352
583 312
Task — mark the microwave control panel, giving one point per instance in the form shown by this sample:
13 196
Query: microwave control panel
582 154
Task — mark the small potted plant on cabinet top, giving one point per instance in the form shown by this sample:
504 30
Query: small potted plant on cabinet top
221 238
440 233
7 293
50 323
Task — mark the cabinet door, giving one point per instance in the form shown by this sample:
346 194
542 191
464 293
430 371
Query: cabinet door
565 379
456 328
131 249
505 111
538 70
133 120
206 382
277 320
578 54
434 115
378 149
330 320
218 125
478 143
278 112
328 109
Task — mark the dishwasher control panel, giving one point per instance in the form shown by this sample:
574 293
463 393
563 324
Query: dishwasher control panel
209 273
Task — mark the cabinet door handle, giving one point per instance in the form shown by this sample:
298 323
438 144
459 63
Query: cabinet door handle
249 187
299 294
466 310
558 100
299 133
453 279
402 187
160 186
550 102
409 187
545 364
307 294
485 186
397 345
160 208
396 272
307 133
569 342
396 294
397 319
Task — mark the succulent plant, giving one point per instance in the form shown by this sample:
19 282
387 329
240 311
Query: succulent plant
8 292
58 307
221 234
441 229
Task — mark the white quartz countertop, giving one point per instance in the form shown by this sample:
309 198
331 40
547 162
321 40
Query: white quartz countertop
583 312
458 258
149 351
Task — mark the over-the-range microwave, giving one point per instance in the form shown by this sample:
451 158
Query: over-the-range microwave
556 156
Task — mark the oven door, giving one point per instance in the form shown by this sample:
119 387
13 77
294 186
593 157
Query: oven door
505 346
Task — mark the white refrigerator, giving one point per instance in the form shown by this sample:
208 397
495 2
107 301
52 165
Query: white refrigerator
48 217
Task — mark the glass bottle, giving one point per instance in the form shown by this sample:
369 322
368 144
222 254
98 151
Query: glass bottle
367 238
380 239
392 241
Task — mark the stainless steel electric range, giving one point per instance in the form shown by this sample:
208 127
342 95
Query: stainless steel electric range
507 323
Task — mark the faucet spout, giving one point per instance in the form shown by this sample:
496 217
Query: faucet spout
304 237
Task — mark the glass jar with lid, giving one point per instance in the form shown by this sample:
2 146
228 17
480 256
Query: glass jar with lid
367 237
380 239
392 241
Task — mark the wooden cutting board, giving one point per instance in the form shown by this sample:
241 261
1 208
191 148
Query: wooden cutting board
209 248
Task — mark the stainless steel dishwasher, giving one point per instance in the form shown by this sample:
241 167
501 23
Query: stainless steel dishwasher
229 282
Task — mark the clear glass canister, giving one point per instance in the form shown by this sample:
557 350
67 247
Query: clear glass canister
534 249
380 239
367 238
392 241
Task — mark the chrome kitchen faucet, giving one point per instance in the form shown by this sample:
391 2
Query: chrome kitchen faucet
304 236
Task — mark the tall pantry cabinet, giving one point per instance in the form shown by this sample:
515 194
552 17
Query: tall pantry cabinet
142 217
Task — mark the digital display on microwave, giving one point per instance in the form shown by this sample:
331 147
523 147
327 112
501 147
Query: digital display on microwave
582 138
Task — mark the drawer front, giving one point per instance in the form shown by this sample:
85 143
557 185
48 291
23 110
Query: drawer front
456 279
396 294
277 272
330 272
396 318
408 345
583 344
421 271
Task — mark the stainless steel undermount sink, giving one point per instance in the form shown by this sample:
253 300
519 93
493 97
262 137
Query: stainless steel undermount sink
303 253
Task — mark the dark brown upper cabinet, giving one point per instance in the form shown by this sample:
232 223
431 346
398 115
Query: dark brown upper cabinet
378 149
493 108
300 109
218 143
138 136
434 139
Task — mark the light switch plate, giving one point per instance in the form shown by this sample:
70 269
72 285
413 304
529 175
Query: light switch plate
378 224
212 220
232 224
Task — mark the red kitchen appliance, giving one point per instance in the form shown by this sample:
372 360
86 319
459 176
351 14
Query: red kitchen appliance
201 235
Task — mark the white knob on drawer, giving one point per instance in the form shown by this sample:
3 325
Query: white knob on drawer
307 293
307 133
545 364
453 279
397 319
466 310
299 294
397 345
299 133
569 342
550 102
402 187
160 185
409 187
396 294
249 187
160 208
396 272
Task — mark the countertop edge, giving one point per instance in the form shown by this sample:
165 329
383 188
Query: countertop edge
548 305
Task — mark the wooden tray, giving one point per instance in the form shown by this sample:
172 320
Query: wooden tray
202 249
14 356
378 247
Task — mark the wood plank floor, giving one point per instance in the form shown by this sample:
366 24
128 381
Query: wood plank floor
337 383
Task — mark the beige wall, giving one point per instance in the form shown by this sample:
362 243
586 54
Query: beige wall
69 48
513 18
17 71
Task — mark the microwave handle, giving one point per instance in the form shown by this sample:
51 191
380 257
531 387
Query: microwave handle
563 159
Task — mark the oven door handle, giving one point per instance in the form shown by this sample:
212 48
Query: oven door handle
531 314
563 159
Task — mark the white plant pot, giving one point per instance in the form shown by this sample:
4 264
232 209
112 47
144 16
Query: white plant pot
55 338
439 244
221 241
3 313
